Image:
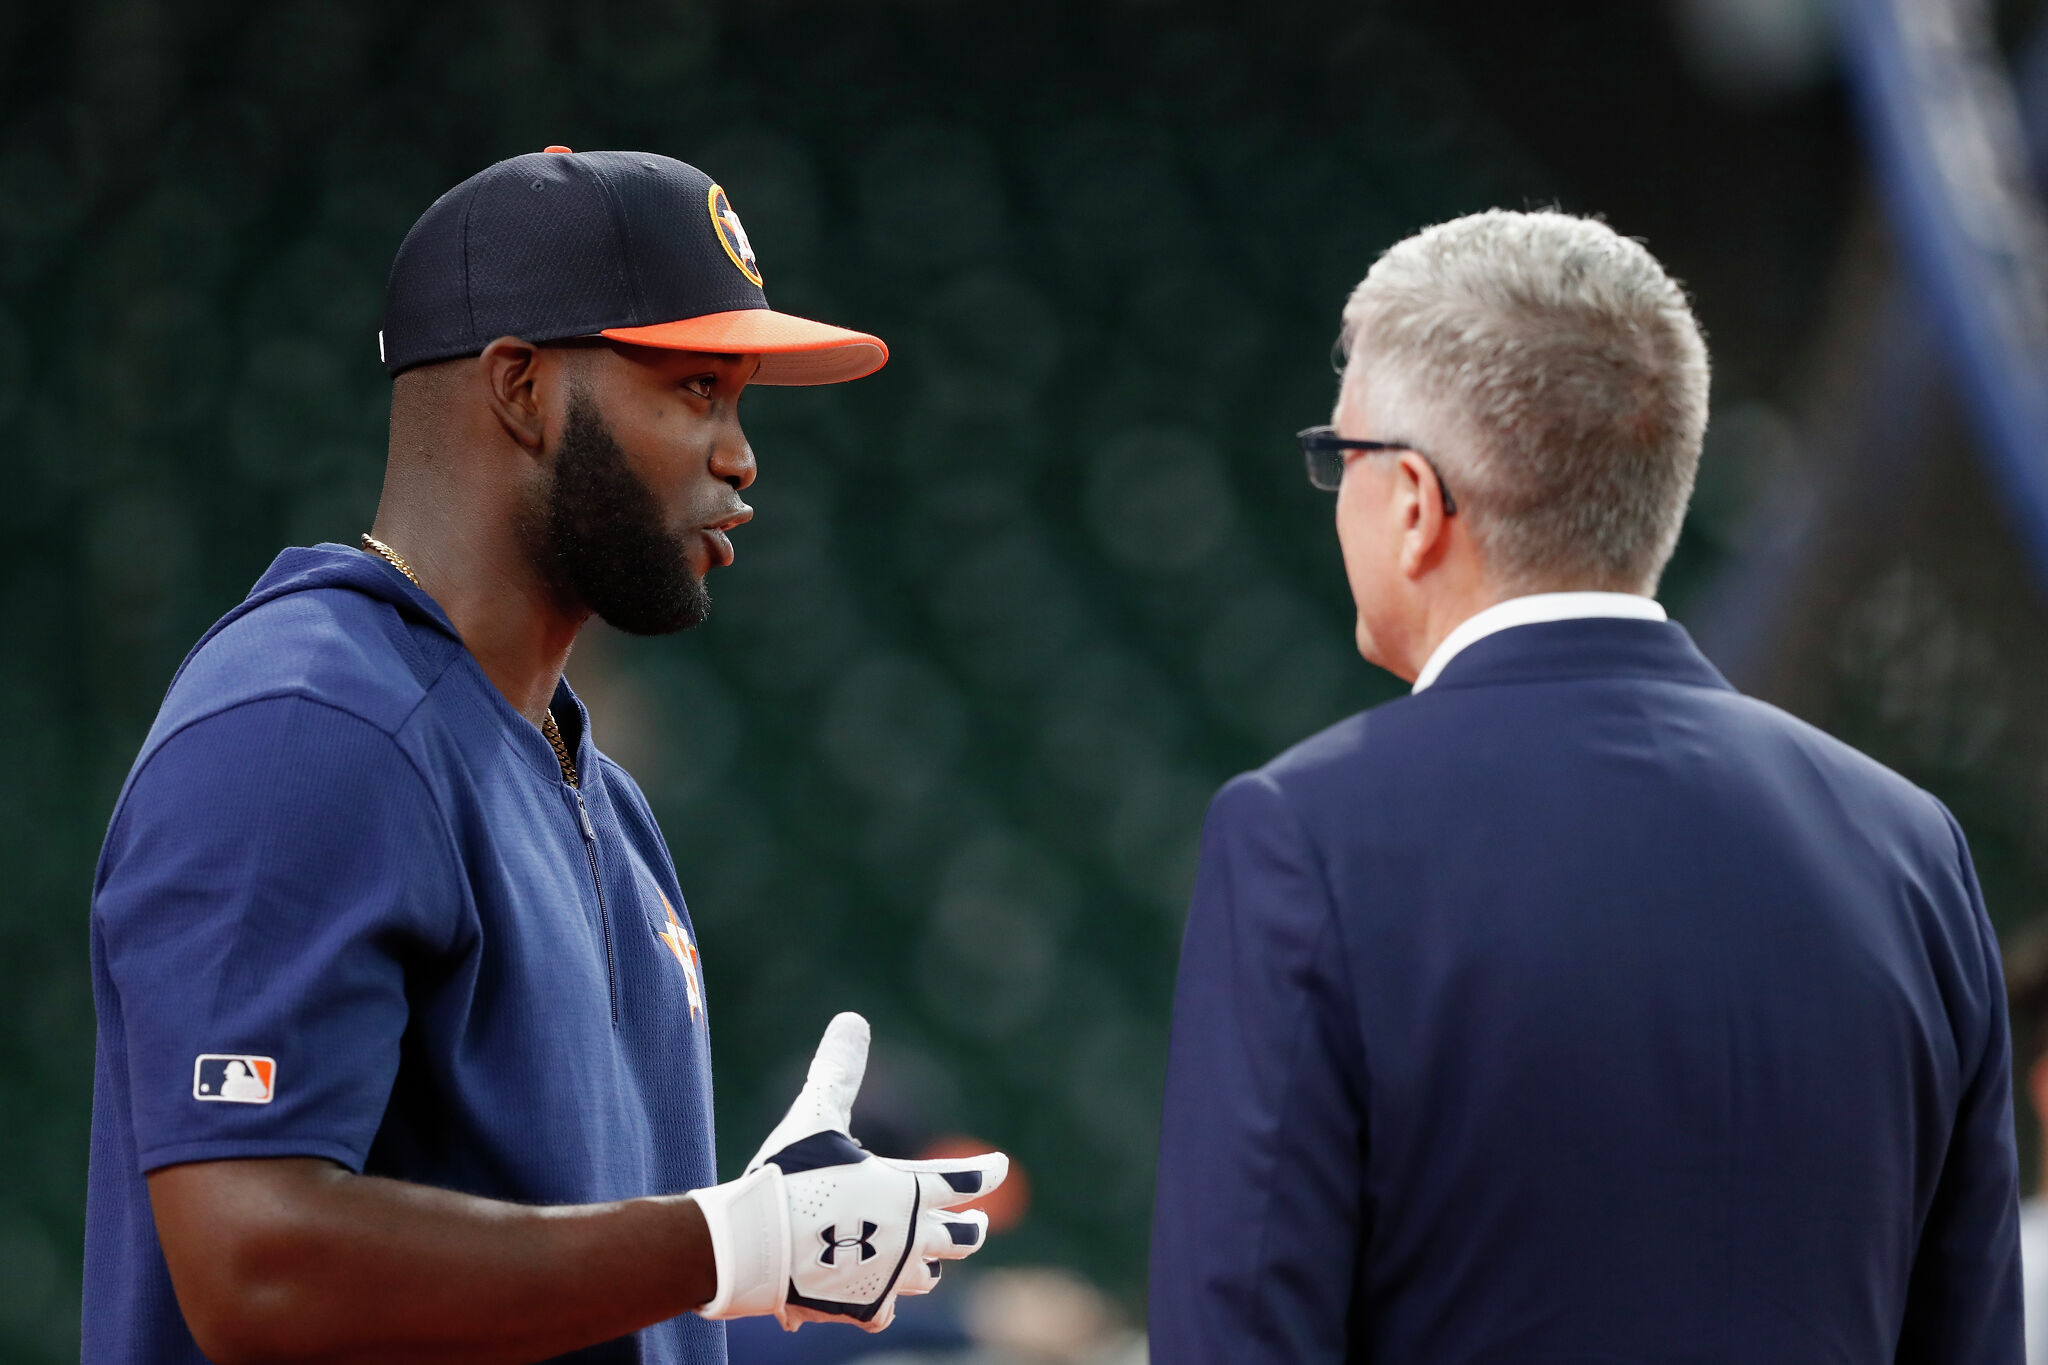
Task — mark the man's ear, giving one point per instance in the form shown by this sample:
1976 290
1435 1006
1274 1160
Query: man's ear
1425 531
511 385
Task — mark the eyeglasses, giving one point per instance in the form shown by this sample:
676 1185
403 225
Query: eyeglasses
1324 450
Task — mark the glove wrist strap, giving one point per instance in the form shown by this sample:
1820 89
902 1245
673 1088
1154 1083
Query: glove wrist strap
749 1223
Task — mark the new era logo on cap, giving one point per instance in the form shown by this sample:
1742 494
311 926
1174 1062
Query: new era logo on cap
236 1078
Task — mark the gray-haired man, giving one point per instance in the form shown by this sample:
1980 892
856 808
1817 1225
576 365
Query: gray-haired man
1576 1008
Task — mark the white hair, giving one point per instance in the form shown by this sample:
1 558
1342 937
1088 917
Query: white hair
1554 375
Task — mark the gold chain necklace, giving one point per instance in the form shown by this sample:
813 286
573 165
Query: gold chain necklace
547 718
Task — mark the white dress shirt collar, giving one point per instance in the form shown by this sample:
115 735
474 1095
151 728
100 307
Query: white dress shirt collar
1532 610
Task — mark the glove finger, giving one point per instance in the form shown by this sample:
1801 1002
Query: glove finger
953 1181
837 1070
920 1278
952 1236
826 1101
882 1319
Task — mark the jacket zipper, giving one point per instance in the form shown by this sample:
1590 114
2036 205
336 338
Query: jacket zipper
604 919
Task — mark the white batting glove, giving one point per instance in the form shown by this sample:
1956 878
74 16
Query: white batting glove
817 1229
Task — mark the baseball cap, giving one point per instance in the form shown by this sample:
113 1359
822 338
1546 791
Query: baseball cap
633 246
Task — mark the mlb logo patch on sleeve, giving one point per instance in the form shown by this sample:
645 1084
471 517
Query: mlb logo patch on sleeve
235 1078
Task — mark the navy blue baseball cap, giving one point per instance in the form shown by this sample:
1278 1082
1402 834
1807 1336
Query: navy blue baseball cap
628 245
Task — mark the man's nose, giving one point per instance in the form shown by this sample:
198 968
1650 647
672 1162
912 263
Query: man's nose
733 461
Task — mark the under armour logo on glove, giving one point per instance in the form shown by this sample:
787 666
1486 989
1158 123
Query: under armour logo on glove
834 1243
811 1178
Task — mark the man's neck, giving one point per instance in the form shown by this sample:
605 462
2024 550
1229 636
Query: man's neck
506 615
1455 604
1531 608
1442 613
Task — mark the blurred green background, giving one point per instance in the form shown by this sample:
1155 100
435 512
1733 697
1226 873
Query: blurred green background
1012 608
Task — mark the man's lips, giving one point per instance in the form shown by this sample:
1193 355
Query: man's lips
715 534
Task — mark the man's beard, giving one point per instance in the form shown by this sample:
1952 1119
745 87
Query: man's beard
598 539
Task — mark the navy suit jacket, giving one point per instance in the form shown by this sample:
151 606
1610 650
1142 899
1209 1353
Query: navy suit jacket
1581 1010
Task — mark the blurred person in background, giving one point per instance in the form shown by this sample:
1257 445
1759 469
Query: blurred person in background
1016 1315
1023 1315
403 1047
1575 1007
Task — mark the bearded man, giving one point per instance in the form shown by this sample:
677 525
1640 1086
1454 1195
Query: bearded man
403 1052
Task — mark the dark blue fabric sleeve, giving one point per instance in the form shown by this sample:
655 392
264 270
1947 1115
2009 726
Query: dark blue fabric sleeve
1259 1215
1964 1300
272 874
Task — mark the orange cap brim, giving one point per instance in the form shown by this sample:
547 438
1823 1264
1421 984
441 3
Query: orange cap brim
793 350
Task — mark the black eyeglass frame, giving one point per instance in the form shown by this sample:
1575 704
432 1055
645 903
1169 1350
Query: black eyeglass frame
1323 451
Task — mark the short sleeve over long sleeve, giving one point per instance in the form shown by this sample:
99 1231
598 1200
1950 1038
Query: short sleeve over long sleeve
273 874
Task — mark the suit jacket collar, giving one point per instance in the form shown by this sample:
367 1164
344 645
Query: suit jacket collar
1594 647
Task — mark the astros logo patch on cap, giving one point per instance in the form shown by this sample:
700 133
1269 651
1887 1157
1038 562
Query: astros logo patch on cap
733 236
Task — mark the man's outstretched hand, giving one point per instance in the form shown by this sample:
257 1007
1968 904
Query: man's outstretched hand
818 1229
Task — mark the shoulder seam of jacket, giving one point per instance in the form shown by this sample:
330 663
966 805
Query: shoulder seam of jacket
450 846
